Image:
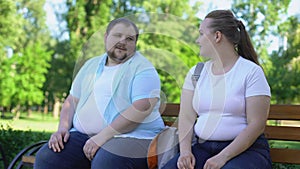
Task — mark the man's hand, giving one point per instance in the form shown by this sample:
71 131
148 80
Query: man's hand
57 140
90 148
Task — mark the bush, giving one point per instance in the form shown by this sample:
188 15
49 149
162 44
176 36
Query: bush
285 166
13 141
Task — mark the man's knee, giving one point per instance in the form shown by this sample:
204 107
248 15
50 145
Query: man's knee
105 159
43 157
43 153
46 158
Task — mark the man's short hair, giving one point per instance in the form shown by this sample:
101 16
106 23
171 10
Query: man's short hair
124 21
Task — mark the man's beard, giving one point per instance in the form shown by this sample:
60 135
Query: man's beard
112 56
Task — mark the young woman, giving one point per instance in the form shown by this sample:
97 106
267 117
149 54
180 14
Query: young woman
228 107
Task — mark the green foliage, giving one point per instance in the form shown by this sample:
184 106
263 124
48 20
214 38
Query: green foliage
7 83
13 141
172 51
284 166
10 27
265 18
25 34
168 34
60 75
284 72
23 76
31 68
83 18
261 16
10 32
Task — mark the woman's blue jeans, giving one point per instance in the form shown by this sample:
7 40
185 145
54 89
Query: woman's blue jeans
255 157
118 153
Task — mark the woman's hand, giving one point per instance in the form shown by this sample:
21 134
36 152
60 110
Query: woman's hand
215 162
57 140
186 160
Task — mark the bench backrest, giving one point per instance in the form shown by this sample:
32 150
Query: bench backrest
282 127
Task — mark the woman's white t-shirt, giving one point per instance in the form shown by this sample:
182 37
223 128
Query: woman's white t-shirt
219 100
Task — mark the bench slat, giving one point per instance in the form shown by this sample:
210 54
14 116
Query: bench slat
284 112
28 159
277 112
291 156
283 133
171 110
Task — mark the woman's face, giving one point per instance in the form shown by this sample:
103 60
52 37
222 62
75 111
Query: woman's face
206 39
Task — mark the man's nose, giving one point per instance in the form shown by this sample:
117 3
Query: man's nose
123 40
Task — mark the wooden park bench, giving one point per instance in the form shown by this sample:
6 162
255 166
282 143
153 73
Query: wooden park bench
276 134
26 157
283 133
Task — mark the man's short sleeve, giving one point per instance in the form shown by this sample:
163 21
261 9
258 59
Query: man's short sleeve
75 88
146 84
76 84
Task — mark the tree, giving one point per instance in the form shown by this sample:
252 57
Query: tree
8 85
10 30
172 51
285 69
10 27
31 67
59 76
263 19
84 18
28 39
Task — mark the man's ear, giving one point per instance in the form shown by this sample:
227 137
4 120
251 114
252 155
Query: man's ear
105 36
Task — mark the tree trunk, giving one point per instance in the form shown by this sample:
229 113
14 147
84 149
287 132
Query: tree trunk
17 110
2 112
46 109
46 103
29 112
56 108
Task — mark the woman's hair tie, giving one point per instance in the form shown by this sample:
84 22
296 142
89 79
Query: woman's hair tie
240 25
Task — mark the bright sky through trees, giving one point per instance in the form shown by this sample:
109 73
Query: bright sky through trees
207 6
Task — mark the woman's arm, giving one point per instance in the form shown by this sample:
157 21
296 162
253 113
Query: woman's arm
187 118
257 110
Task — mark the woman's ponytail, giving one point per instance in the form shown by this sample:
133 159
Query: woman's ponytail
244 46
235 31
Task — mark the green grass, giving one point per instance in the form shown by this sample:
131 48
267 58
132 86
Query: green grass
284 144
36 122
